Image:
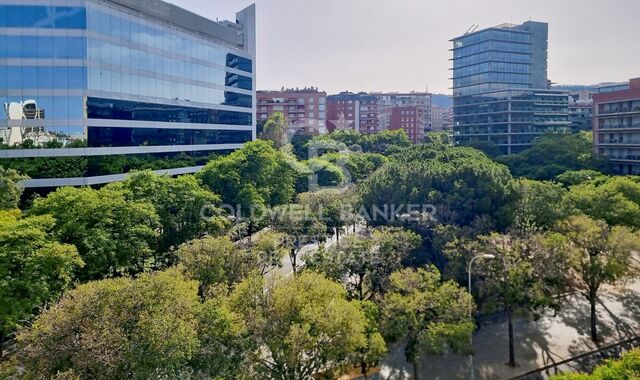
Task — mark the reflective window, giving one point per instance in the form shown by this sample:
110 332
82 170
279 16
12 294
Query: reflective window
27 16
239 63
42 47
98 108
239 81
101 136
47 107
103 80
31 77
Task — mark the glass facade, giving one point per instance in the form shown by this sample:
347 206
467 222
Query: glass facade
64 67
500 87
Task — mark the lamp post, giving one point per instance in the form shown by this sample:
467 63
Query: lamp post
483 256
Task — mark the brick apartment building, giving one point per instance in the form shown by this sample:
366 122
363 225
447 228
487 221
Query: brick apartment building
616 125
375 112
305 109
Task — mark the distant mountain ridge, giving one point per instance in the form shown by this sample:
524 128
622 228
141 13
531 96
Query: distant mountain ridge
441 100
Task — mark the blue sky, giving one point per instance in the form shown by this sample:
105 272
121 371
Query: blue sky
402 45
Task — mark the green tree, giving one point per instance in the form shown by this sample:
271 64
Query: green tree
275 130
524 277
215 261
598 254
117 328
300 225
461 183
539 205
330 205
432 315
576 177
183 206
113 236
553 154
625 368
34 267
253 177
615 200
366 262
301 325
385 142
269 247
322 173
10 189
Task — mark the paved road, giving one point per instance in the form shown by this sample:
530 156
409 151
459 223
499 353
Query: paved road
538 343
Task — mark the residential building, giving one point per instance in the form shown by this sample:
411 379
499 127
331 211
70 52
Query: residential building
501 92
348 110
421 100
616 125
409 118
110 79
441 118
305 109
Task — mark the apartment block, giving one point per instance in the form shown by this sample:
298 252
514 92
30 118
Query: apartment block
616 125
305 109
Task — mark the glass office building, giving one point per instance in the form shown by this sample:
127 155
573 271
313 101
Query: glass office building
501 94
95 81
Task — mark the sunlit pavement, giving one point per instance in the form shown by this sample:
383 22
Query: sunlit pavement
538 343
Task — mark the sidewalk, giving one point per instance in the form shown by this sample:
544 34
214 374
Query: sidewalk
537 343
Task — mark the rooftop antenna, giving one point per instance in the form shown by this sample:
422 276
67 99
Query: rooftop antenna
469 30
474 28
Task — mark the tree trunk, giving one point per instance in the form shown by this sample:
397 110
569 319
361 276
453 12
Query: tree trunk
363 369
293 258
594 317
512 355
415 371
337 235
1 345
360 281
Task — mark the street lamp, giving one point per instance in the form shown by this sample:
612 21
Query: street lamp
483 256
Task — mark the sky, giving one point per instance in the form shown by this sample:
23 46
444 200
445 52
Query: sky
403 45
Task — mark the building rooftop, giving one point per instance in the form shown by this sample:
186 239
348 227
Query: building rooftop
227 31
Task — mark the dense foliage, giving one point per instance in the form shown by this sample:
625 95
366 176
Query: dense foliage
34 267
10 189
257 175
462 183
553 154
625 368
114 236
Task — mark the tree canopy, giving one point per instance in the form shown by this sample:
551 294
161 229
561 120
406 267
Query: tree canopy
462 183
117 328
10 189
553 154
615 200
113 236
34 267
431 314
300 326
183 206
256 175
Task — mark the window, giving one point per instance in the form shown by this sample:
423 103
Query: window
106 136
98 108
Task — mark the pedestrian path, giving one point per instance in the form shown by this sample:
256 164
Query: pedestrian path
549 340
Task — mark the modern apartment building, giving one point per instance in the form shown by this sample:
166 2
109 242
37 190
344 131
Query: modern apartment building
120 80
616 125
501 92
347 110
441 118
305 109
